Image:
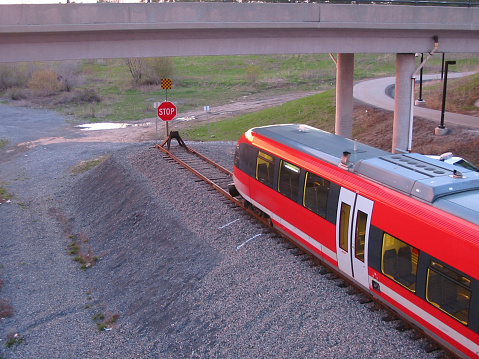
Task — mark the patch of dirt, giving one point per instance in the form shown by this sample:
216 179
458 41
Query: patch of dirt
145 130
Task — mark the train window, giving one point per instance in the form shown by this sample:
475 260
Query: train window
265 168
316 190
360 237
399 261
449 291
288 182
237 156
344 226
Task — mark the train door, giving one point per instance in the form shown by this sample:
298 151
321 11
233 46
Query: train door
352 235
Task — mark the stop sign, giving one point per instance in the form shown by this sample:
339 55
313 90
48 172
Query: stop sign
167 111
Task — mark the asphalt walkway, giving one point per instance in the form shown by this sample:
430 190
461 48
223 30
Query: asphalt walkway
375 93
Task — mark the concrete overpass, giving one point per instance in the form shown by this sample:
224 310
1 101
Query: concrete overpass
84 31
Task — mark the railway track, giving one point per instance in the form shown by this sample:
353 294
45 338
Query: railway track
218 178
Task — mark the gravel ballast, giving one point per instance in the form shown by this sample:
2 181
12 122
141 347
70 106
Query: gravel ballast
178 272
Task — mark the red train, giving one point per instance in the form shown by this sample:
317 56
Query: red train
402 226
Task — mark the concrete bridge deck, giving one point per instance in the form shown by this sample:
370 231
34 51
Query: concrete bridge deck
74 31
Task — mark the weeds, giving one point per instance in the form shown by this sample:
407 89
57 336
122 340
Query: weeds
85 260
73 248
3 142
4 195
84 166
6 310
13 339
102 324
88 298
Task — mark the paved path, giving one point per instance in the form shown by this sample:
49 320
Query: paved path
374 92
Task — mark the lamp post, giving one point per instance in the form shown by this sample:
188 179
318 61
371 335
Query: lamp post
441 129
420 80
420 100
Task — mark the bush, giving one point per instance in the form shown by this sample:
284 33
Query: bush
88 95
69 74
14 75
77 96
44 82
15 93
252 74
135 66
157 68
150 70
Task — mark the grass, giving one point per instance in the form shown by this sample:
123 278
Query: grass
84 166
4 195
103 324
13 339
461 95
200 81
317 110
3 143
84 257
216 80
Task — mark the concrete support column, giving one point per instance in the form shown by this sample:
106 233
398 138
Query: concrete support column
405 64
344 95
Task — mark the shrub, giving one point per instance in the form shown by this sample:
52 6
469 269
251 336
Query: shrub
157 68
150 70
87 95
135 66
44 82
69 74
252 74
16 94
14 75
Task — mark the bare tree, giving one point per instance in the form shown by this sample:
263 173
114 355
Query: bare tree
70 74
135 66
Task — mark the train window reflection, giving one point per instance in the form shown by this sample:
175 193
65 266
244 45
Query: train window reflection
265 168
360 236
399 261
344 226
448 291
316 190
288 182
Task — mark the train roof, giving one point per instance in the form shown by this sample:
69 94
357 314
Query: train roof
419 176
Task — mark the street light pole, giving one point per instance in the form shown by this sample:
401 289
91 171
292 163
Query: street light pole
420 81
444 92
441 129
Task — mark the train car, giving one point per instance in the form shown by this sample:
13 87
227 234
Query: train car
405 227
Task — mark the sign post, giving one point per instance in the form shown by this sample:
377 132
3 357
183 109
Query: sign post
166 111
207 108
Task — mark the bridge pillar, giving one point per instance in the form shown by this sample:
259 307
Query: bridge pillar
403 102
344 95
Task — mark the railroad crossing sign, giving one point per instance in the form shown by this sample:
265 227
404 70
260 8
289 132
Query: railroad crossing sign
165 84
167 111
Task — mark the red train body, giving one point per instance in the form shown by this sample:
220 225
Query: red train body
404 227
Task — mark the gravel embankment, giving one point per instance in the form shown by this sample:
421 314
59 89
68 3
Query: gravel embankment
166 267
